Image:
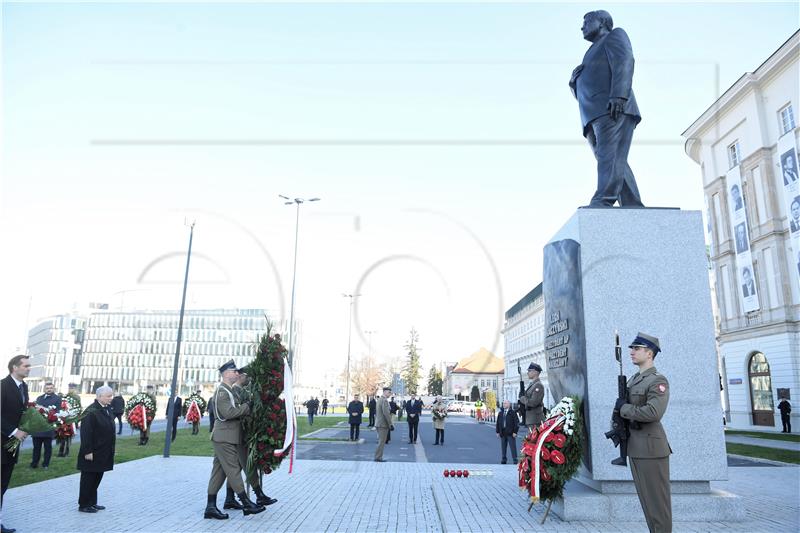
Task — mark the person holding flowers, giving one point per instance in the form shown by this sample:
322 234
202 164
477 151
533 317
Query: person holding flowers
44 439
439 413
96 455
13 400
226 439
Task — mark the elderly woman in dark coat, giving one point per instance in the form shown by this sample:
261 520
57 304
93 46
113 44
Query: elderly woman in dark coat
96 456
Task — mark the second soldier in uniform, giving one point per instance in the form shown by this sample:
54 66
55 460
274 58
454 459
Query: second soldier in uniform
648 449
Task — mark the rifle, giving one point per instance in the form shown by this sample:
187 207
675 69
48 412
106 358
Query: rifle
620 431
520 407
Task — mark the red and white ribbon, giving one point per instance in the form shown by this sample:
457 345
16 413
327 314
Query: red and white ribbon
545 429
291 424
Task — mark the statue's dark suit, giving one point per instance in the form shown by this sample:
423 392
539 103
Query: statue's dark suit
607 72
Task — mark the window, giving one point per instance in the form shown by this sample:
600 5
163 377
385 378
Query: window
786 119
734 153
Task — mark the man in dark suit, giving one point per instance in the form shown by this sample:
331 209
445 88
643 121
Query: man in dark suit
789 167
118 409
748 287
742 244
609 114
45 438
175 416
354 411
371 405
96 455
13 399
507 427
413 411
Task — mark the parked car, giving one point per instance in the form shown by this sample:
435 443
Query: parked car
455 406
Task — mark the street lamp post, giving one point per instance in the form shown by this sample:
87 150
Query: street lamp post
349 336
297 202
173 392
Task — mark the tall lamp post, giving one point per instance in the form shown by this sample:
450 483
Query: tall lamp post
349 335
297 202
171 404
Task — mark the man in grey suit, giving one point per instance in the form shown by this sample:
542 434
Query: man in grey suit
609 114
383 422
226 438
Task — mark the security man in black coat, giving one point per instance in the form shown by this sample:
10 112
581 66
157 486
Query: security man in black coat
507 427
372 404
176 415
96 456
413 411
13 399
354 411
118 409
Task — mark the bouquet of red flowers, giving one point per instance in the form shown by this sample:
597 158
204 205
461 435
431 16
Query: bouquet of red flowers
551 453
38 418
140 411
69 413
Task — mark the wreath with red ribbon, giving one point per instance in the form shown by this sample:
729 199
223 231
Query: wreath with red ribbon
265 428
553 450
140 411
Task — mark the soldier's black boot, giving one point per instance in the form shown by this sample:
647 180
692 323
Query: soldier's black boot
248 506
211 509
230 500
261 498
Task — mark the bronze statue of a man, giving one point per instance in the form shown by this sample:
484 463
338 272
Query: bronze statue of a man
602 85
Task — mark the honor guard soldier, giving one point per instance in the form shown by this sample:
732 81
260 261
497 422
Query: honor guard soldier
648 449
533 399
227 438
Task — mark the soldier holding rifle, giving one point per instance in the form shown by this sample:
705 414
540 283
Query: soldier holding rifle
533 397
648 449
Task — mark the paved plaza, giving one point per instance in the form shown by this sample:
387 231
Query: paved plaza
336 486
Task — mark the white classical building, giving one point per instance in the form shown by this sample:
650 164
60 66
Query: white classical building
524 344
746 146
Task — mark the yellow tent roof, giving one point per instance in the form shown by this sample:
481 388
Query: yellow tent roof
481 362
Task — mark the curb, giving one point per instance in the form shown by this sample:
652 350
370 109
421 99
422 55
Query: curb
761 460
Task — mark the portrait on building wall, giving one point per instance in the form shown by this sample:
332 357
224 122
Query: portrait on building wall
748 285
742 244
789 166
794 210
736 197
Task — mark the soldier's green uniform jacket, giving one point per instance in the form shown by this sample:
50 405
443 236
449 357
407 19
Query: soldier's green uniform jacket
648 396
533 400
228 410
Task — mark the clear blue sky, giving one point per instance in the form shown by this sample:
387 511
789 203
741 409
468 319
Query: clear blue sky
82 217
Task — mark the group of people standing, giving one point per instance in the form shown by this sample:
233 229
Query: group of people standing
96 455
312 406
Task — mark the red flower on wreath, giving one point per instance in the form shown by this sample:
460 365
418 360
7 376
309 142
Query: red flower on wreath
545 474
545 454
560 440
557 457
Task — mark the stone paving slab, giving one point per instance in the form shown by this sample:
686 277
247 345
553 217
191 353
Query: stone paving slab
168 495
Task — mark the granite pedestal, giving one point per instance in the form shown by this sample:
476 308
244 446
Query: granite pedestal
636 270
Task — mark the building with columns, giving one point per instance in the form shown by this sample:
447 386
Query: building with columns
746 146
524 344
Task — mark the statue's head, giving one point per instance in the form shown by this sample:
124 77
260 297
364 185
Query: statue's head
596 24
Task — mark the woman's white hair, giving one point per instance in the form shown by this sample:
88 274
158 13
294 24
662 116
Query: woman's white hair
103 390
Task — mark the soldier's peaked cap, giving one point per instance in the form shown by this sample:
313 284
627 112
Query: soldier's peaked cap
230 365
534 366
647 341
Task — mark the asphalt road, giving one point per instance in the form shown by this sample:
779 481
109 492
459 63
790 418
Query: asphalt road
466 441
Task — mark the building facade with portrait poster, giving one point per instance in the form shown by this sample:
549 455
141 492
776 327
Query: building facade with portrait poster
746 146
